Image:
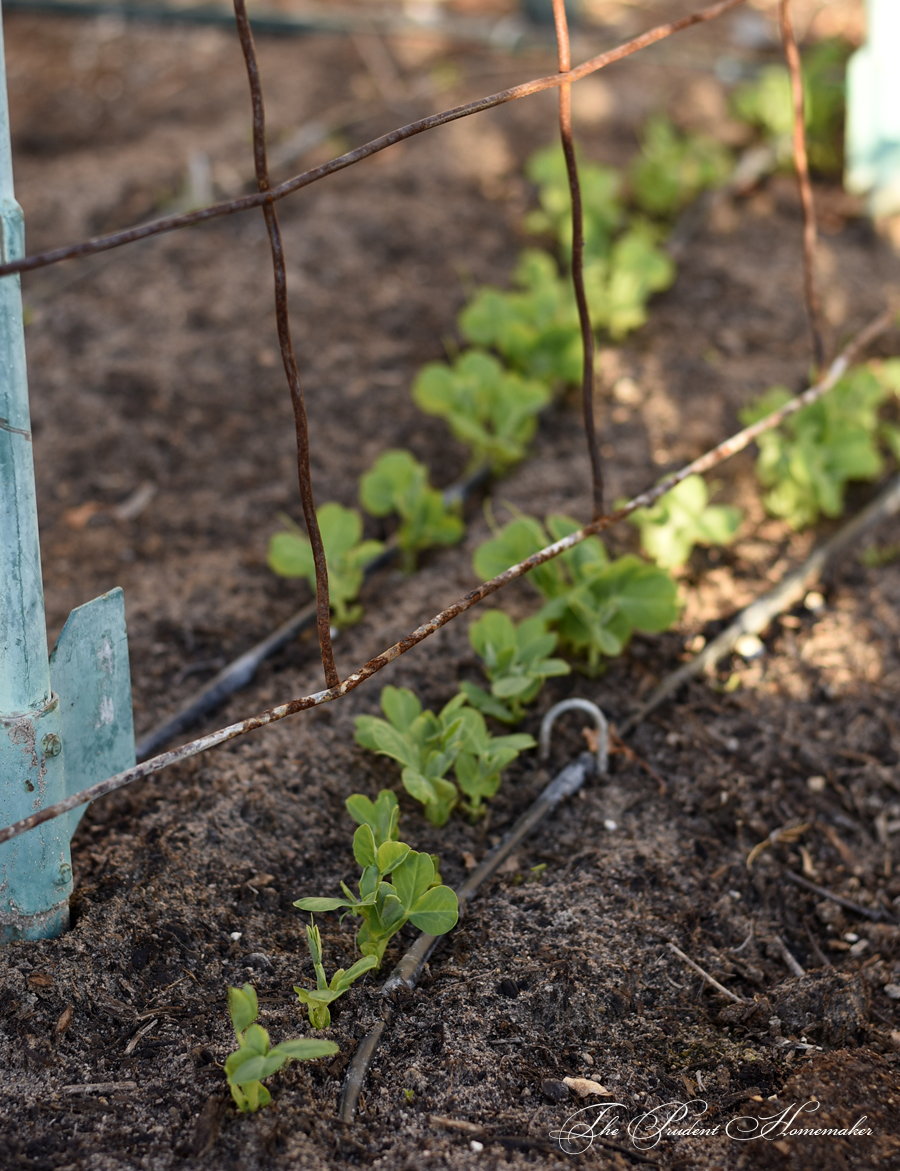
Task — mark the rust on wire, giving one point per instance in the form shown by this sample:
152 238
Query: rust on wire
301 424
289 186
584 317
703 463
801 166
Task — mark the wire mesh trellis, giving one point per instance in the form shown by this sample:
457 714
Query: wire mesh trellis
266 197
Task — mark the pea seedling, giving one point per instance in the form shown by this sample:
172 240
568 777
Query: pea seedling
385 907
594 604
325 992
682 519
515 661
255 1058
399 483
290 555
488 408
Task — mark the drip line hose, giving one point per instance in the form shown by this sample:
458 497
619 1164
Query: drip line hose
407 972
238 673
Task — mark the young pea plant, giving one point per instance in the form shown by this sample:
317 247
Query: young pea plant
385 906
673 168
327 991
594 604
807 462
428 745
346 555
399 483
488 408
682 519
515 661
255 1058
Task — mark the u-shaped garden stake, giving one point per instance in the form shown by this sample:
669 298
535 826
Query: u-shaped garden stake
67 722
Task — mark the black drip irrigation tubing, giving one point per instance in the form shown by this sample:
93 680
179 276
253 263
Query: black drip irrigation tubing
406 974
238 673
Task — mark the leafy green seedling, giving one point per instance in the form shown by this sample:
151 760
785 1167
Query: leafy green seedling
682 519
381 815
326 991
386 906
594 604
807 462
673 168
489 408
515 661
425 745
766 102
399 483
601 191
346 556
255 1058
482 758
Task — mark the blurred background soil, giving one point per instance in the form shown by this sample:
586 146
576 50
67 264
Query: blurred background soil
164 451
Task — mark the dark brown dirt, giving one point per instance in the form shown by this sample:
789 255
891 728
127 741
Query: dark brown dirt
157 366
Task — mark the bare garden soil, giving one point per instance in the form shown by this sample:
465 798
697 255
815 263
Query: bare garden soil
164 451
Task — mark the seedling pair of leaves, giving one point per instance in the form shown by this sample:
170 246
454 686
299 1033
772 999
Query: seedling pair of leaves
427 745
807 462
490 409
346 555
384 906
515 661
682 519
327 991
594 604
398 483
256 1058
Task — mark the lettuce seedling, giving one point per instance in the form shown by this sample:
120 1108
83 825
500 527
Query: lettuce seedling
399 483
346 556
682 519
318 1000
255 1058
515 661
425 745
489 408
673 168
385 907
807 462
594 604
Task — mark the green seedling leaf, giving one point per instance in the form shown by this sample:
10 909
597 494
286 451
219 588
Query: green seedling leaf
682 519
318 999
398 483
364 846
391 854
515 661
488 408
600 196
255 1058
673 168
807 462
381 816
346 555
436 912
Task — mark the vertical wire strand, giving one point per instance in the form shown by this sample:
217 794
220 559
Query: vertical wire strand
801 166
323 607
584 317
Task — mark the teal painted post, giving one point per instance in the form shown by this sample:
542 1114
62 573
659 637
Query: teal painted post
35 870
873 111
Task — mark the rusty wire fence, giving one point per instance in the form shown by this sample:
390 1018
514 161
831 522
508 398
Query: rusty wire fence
266 197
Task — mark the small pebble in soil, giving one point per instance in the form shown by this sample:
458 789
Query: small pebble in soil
815 784
476 1145
610 825
235 935
556 1091
749 646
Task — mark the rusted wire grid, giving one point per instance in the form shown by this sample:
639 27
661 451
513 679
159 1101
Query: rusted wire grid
703 463
282 318
289 186
801 166
584 317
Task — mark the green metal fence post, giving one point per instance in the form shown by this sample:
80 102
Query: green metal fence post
49 747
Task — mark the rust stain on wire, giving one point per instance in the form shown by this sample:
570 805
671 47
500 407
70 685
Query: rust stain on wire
584 317
260 199
301 424
703 463
801 165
